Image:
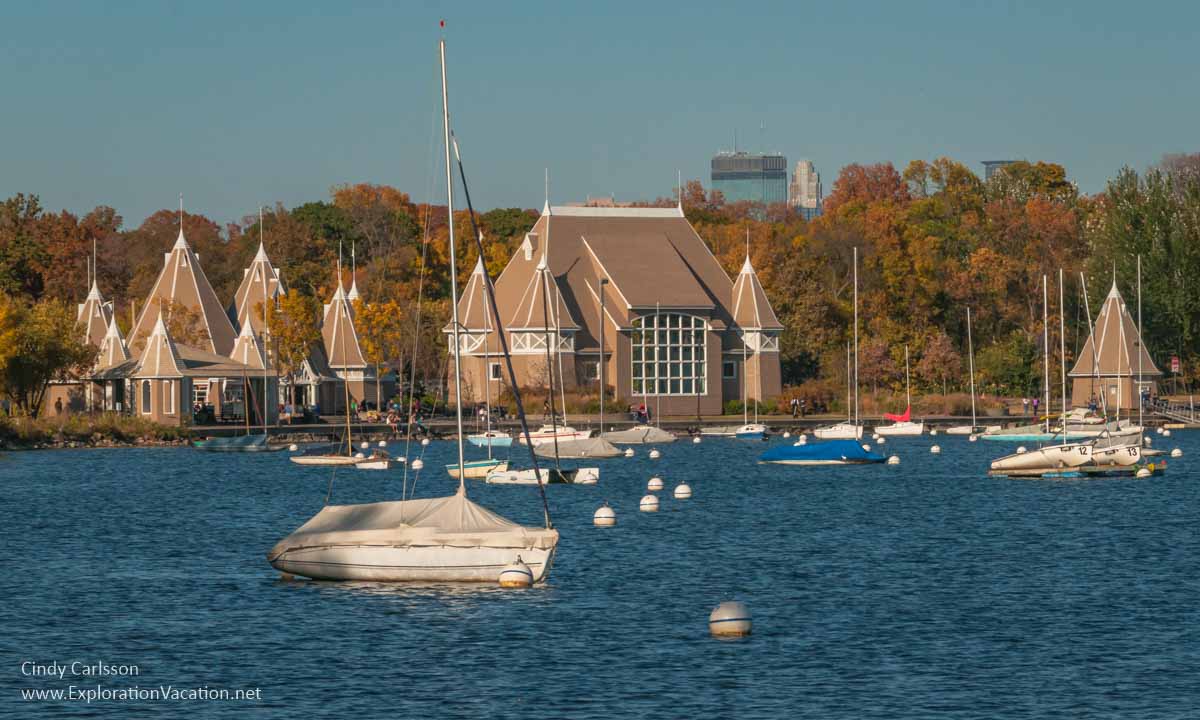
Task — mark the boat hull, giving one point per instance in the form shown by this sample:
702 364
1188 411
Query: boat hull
325 460
413 563
579 476
841 431
244 443
901 429
1053 457
477 469
495 441
543 436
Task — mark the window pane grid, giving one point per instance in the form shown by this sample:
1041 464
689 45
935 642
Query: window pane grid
668 355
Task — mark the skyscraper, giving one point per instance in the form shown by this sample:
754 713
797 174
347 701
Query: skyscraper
991 166
758 178
804 194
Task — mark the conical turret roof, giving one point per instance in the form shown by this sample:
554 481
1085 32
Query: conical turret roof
473 312
751 308
183 282
1116 341
113 350
260 280
531 310
160 359
337 332
93 316
248 349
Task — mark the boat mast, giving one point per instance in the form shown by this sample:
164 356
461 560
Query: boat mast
1046 346
1140 341
1062 345
1087 310
971 360
264 331
849 400
458 417
600 291
487 375
856 336
907 382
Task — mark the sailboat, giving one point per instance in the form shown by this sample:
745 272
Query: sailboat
479 469
974 426
839 451
903 424
250 442
851 429
430 539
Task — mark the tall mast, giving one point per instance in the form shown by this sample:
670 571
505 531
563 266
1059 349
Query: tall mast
458 417
1046 346
657 391
1140 339
856 335
1062 342
971 360
1087 310
907 380
487 372
264 328
849 379
600 291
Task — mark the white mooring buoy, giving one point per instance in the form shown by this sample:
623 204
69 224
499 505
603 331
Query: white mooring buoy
786 434
866 447
364 444
655 454
1144 472
933 431
1158 430
683 491
516 575
1166 432
1146 441
881 440
359 455
418 464
1176 453
729 619
935 449
604 516
696 440
973 438
1021 450
424 442
293 447
803 439
655 484
628 452
893 460
383 443
649 503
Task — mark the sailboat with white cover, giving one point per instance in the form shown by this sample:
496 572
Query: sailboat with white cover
430 539
851 429
902 425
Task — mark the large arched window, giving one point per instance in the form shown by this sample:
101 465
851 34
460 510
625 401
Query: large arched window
668 355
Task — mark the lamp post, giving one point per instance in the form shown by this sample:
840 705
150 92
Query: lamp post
600 285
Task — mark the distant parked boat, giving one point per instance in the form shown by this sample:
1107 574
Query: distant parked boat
840 431
241 443
639 435
491 438
576 449
477 469
547 434
834 452
378 460
902 424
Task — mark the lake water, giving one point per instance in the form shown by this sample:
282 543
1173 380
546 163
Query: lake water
926 589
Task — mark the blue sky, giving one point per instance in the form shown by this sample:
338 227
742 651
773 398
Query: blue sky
236 104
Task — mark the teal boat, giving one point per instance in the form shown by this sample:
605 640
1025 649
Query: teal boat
241 443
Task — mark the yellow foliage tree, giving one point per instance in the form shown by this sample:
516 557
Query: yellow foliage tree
380 328
294 329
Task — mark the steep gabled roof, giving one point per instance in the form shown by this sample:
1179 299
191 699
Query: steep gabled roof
338 333
248 350
473 310
1116 341
531 311
751 308
93 316
183 282
113 350
160 359
260 280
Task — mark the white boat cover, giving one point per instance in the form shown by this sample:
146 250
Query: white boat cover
581 448
639 435
452 521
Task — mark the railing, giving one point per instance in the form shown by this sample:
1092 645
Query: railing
1179 411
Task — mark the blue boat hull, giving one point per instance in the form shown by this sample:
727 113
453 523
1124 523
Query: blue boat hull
241 443
829 452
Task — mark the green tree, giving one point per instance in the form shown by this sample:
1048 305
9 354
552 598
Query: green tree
45 346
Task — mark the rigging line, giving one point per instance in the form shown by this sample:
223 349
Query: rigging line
549 360
412 375
490 287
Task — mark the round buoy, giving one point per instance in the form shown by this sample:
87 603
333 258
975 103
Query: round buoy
973 438
1021 450
893 460
655 483
655 454
696 440
649 503
293 447
1166 433
866 447
359 455
516 575
803 439
876 437
933 431
1159 430
424 441
383 443
935 449
729 619
604 516
364 444
628 452
401 458
683 491
418 464
1176 453
1146 442
786 434
1144 472
882 440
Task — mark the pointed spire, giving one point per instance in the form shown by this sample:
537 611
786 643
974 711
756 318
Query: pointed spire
546 206
353 294
181 241
679 189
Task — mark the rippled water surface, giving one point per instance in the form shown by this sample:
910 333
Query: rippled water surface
921 590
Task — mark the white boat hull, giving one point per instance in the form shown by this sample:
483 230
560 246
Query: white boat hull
490 439
477 469
841 431
580 476
901 429
413 563
547 435
325 460
1053 457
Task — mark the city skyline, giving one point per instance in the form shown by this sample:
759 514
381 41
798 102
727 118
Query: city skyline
240 106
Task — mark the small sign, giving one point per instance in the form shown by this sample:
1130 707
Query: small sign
1175 364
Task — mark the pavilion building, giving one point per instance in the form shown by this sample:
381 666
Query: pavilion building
1108 365
677 332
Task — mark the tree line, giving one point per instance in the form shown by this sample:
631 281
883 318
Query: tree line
933 240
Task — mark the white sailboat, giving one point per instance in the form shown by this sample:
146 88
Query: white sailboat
902 424
851 429
431 539
974 426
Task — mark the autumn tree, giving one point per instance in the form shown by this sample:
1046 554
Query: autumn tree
294 328
381 327
940 361
44 346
